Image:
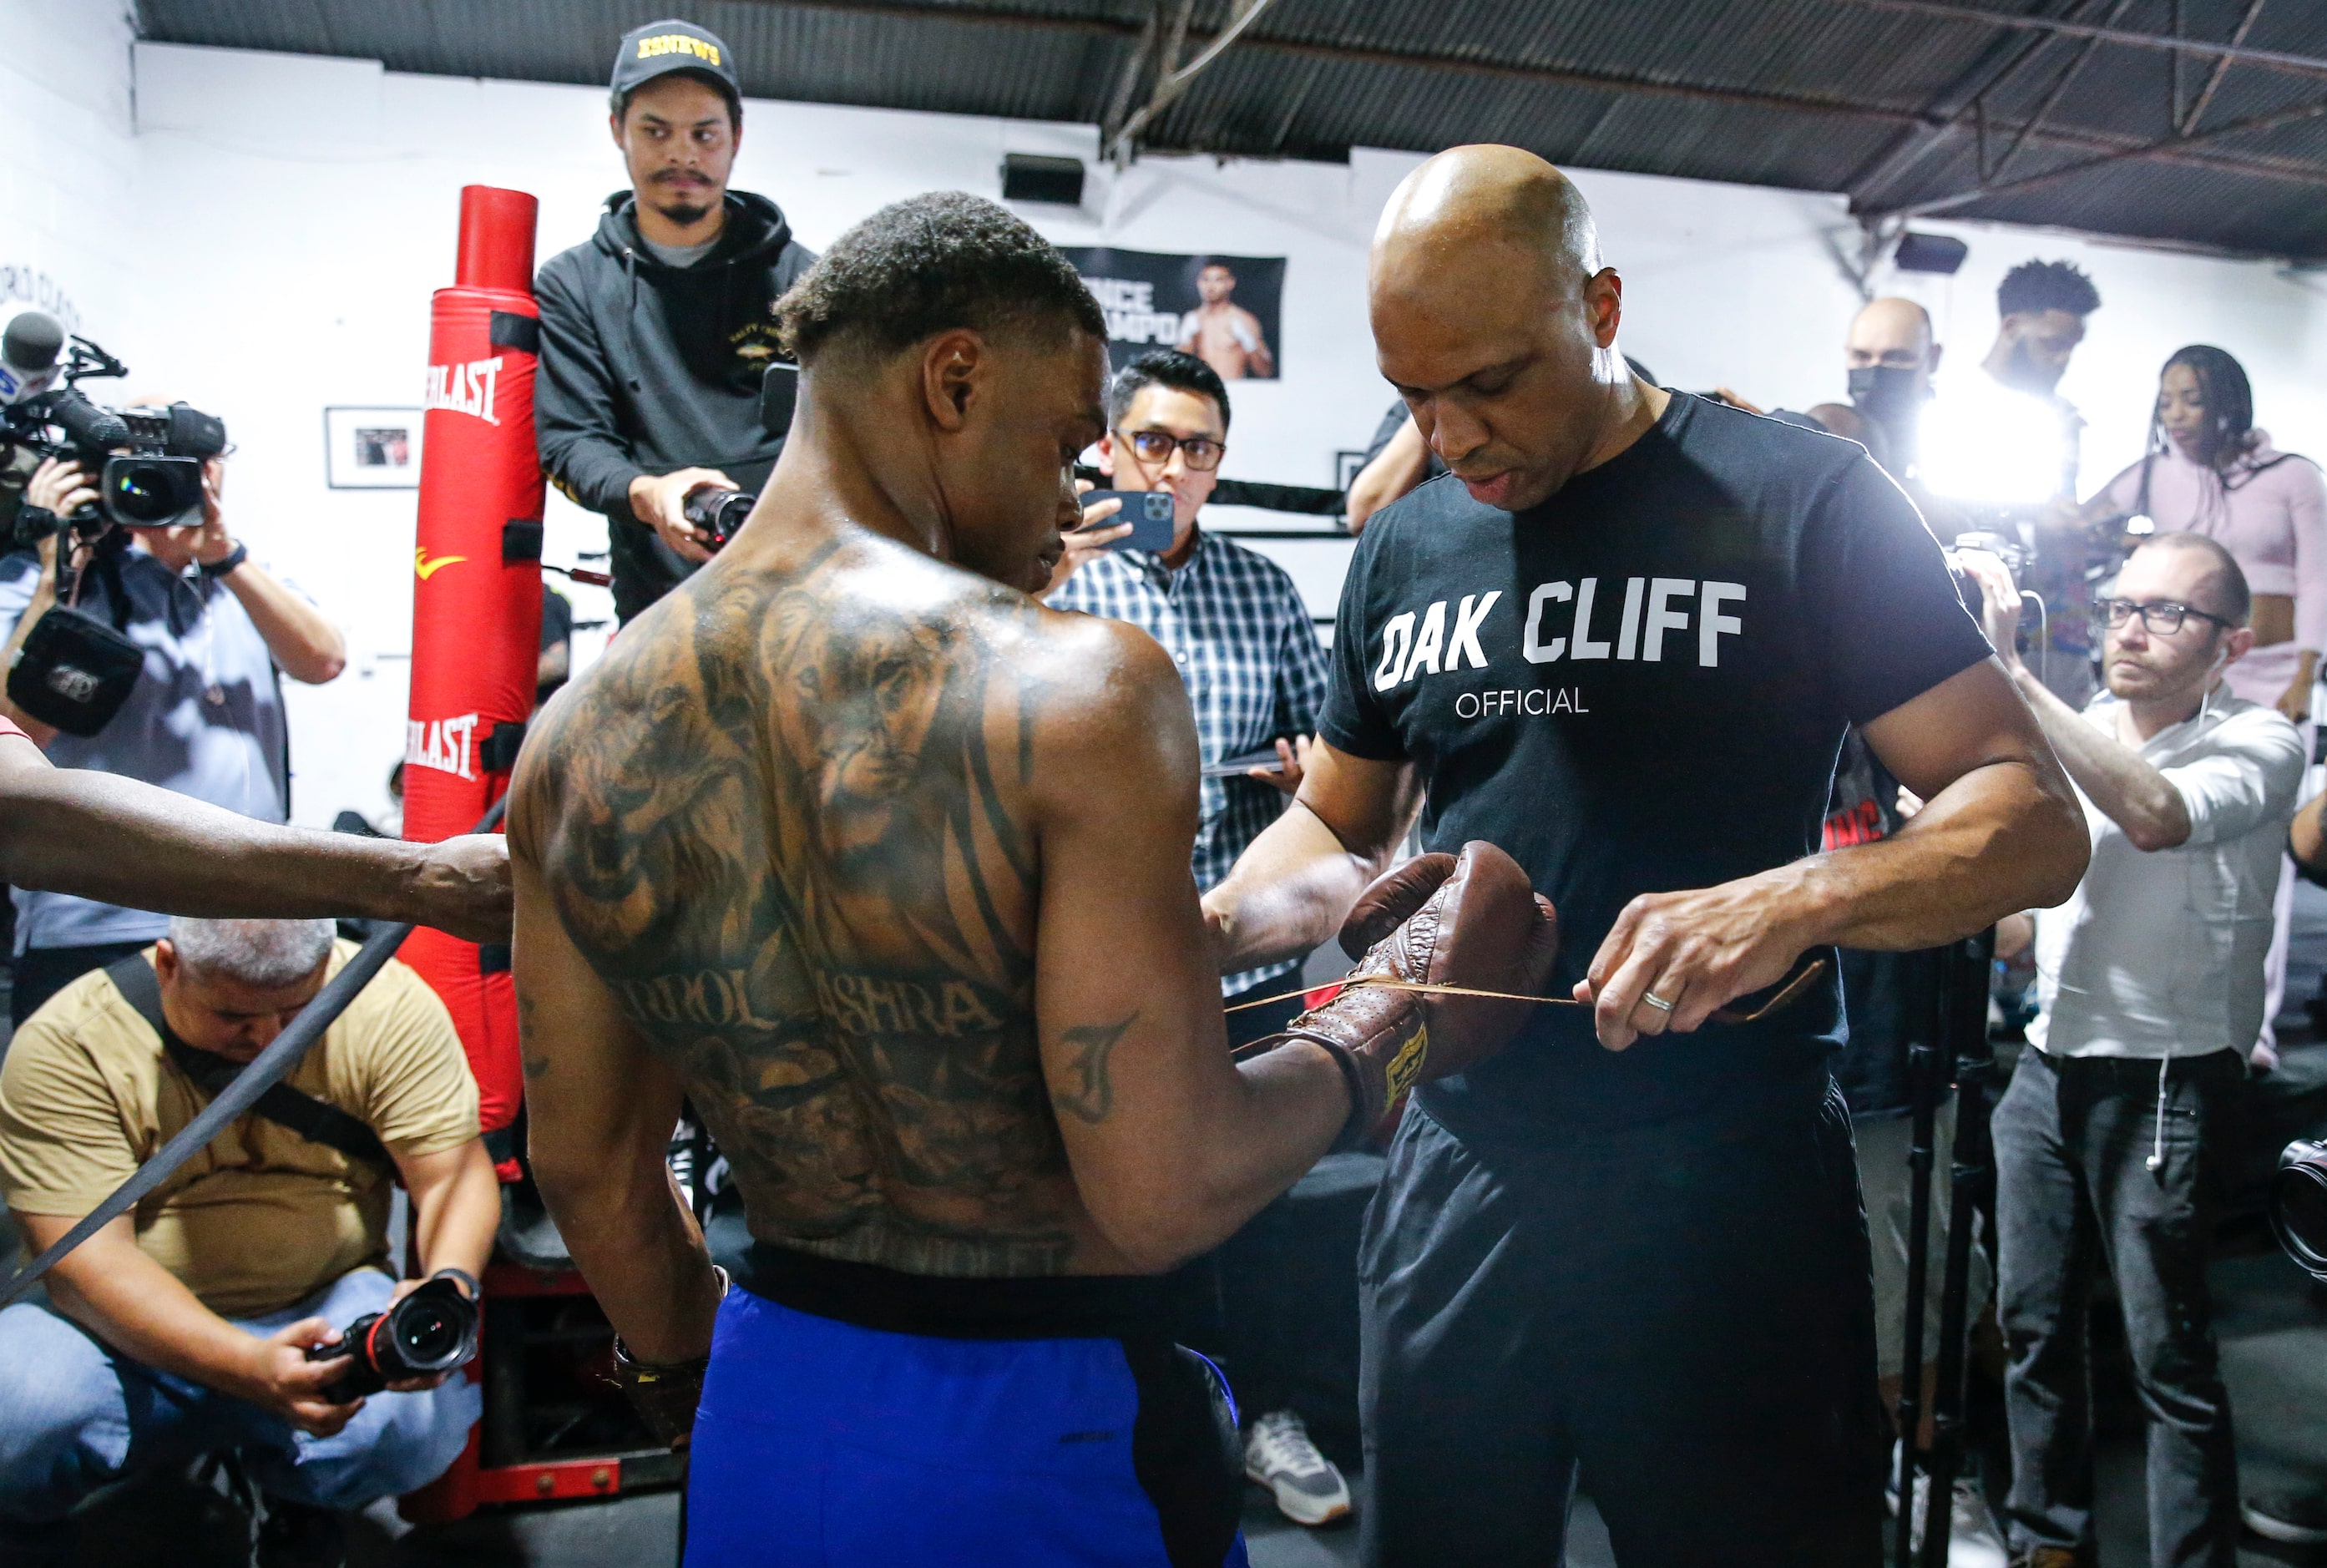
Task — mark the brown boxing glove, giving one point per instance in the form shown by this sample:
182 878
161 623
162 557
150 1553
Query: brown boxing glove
1390 897
1478 923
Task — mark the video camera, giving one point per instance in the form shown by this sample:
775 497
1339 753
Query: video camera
2298 1205
432 1330
721 512
147 461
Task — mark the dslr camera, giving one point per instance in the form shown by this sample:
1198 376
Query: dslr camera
432 1330
719 513
147 461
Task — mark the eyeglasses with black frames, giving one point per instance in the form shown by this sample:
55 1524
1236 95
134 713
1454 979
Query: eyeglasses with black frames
2162 618
1202 453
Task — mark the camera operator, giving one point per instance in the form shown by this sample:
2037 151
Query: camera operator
1999 451
205 715
181 1326
655 334
2150 986
1241 637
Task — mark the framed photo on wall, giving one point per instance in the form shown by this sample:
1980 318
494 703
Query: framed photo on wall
371 448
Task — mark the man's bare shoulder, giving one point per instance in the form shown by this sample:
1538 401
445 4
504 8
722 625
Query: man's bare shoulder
1117 716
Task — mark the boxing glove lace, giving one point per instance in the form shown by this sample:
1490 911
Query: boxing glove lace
1471 920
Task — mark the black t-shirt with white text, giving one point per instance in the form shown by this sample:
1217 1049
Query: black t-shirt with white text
1640 687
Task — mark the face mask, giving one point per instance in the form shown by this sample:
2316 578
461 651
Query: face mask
1884 392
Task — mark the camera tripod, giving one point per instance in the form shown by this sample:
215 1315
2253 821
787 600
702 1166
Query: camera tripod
1956 1051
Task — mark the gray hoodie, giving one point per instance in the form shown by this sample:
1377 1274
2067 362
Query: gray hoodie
646 369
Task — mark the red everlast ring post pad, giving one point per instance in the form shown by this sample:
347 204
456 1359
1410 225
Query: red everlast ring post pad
476 600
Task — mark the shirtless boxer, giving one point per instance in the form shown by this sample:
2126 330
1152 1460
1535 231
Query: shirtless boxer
1222 334
885 868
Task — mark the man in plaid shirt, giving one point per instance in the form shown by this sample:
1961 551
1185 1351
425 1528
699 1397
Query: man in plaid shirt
1229 617
1236 628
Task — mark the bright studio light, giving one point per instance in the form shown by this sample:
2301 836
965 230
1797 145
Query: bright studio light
1984 444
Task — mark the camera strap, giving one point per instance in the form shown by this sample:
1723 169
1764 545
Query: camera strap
313 1119
278 1059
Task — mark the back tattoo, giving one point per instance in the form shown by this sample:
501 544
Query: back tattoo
786 823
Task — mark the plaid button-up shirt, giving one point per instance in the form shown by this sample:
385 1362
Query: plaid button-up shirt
1235 625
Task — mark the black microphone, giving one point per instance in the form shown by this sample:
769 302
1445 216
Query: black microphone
29 347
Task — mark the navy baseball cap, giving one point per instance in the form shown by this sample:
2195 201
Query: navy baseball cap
659 48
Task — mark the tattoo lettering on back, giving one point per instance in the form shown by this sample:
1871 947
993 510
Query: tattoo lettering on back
1091 1094
786 821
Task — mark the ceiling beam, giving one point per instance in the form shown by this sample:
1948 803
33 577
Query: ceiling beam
2221 69
1996 67
2187 150
2268 59
1178 79
2161 149
2051 100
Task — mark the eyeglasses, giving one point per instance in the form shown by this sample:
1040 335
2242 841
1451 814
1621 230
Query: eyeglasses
2163 618
1202 453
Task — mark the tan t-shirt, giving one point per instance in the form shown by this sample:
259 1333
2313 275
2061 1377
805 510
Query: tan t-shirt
262 1217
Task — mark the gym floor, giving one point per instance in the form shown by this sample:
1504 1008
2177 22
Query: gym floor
2272 1321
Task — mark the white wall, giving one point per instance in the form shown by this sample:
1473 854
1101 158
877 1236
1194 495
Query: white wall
263 236
67 243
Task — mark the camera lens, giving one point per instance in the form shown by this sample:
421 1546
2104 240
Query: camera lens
426 1336
143 491
136 496
2298 1207
432 1330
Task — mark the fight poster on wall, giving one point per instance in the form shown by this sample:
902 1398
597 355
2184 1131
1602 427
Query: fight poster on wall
1222 309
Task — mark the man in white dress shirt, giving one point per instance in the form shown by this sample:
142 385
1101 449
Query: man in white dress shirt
2150 981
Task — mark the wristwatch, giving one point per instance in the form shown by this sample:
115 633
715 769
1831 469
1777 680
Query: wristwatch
463 1278
227 562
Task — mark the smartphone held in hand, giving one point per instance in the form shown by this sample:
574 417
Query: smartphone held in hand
1149 513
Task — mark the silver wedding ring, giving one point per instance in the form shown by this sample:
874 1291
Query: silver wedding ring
1656 1002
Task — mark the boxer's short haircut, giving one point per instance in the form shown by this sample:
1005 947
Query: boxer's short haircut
266 955
1166 368
929 265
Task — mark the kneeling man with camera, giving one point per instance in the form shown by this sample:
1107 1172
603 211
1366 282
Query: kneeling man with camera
232 1308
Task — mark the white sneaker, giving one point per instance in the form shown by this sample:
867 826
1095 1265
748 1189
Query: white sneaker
1972 1538
1278 1454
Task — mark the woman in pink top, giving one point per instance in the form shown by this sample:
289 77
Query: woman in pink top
2211 471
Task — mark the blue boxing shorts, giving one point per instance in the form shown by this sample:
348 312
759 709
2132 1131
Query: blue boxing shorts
856 1416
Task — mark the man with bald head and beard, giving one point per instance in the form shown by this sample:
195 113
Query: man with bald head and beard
1622 639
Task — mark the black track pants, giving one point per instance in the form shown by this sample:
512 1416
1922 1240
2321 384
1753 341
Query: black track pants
1681 1311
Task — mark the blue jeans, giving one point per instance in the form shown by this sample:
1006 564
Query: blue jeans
76 1414
2075 1194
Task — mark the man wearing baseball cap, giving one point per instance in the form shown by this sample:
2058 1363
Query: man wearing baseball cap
658 331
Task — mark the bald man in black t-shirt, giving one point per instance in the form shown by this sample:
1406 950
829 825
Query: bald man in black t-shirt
1622 639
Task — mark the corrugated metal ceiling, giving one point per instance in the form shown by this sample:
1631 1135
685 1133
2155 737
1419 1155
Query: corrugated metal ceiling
1906 104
